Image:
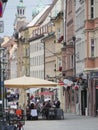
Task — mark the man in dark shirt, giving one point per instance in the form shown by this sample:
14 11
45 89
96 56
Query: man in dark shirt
57 103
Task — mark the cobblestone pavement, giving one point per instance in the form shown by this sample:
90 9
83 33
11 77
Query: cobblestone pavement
71 122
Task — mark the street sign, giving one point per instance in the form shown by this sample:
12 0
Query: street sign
1 8
1 26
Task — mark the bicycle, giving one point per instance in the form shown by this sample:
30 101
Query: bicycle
17 121
20 123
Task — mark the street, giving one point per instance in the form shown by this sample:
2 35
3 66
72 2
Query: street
71 122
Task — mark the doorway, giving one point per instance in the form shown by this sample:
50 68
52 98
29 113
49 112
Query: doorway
97 102
83 101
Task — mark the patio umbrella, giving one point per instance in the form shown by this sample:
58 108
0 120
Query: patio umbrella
28 82
25 82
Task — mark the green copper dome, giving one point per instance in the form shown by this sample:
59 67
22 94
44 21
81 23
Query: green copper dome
21 4
37 8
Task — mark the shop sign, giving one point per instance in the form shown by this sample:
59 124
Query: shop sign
93 74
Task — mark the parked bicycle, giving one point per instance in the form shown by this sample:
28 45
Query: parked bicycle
20 123
12 122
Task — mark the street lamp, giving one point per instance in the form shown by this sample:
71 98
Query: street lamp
1 81
2 75
74 46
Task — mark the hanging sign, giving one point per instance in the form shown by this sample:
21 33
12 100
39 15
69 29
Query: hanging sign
1 8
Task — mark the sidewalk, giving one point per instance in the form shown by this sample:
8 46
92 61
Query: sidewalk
70 122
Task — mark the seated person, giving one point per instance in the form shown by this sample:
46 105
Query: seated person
46 108
57 103
19 112
32 106
33 112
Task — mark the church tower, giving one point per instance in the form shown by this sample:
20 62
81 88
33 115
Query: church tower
20 19
21 10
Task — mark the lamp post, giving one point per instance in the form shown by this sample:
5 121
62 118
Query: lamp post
1 40
1 83
74 41
2 73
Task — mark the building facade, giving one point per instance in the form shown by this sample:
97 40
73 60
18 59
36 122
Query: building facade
81 105
68 55
91 60
62 40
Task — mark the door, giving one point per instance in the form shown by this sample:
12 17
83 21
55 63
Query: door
97 102
83 101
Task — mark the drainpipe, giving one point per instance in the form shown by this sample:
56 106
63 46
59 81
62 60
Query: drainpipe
42 41
44 59
64 20
74 42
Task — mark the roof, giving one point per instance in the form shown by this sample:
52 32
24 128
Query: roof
34 21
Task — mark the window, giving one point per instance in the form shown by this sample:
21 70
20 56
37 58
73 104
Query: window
20 11
80 20
92 2
92 48
92 8
23 11
92 12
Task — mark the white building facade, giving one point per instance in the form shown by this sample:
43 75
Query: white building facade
37 59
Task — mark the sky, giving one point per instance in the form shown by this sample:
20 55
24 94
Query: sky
11 9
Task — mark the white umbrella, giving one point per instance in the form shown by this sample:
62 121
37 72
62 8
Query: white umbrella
28 82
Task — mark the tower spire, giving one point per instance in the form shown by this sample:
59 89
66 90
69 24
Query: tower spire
21 9
21 0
